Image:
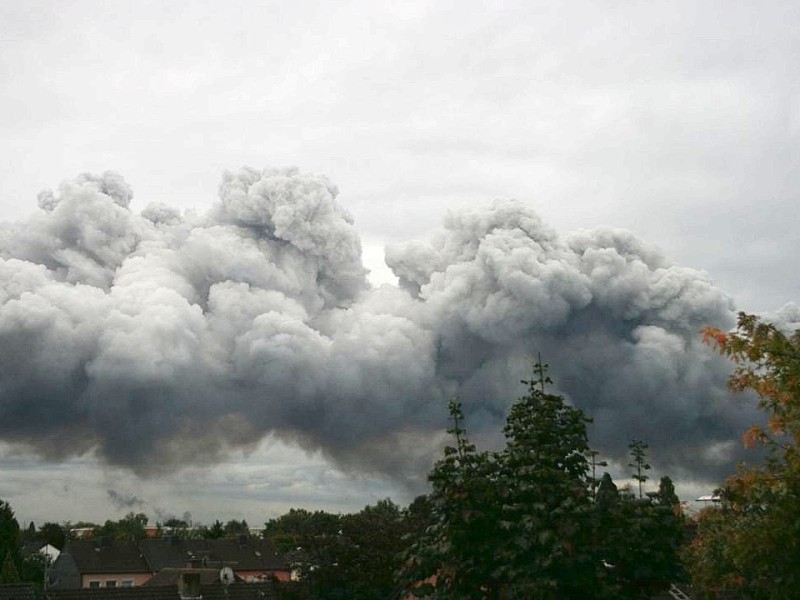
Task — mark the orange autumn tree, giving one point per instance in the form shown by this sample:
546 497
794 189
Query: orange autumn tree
750 548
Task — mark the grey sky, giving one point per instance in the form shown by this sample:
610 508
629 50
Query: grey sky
679 122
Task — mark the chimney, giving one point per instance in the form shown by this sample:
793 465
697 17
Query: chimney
189 586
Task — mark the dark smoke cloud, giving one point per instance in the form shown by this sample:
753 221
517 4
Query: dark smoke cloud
164 339
164 515
126 501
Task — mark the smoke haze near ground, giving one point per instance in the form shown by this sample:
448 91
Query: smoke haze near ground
164 339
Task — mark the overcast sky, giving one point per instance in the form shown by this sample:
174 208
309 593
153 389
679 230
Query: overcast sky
679 122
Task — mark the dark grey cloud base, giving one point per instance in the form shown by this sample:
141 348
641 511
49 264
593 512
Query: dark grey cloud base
163 339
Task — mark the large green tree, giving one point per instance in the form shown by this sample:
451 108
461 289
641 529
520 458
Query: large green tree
373 540
455 558
9 543
301 528
638 538
525 522
516 523
315 544
750 546
351 556
544 482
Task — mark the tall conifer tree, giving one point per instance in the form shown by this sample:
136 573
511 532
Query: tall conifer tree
546 506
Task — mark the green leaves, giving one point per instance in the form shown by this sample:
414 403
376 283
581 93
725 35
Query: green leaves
749 546
639 454
510 523
524 522
546 495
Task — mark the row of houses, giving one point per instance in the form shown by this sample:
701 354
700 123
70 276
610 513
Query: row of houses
106 563
215 591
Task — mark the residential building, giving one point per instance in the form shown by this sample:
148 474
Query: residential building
104 563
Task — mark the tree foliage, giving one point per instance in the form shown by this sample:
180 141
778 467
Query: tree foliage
750 546
455 556
9 572
639 456
34 567
315 542
301 528
9 543
234 528
54 534
546 550
215 531
129 527
352 556
666 495
515 523
638 538
374 539
526 522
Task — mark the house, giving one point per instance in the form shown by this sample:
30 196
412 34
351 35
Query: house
48 551
81 533
250 559
99 563
104 563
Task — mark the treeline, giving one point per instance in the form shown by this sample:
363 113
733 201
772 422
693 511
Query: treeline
134 526
532 521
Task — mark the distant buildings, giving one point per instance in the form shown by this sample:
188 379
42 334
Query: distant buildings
713 498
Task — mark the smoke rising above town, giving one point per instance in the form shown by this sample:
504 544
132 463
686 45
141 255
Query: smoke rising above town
164 339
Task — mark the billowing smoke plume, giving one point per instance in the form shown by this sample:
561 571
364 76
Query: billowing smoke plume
161 340
123 500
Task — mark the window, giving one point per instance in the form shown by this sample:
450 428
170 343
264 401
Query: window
111 583
93 585
127 583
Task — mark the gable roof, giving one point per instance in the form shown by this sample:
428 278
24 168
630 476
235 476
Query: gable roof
153 555
243 554
106 556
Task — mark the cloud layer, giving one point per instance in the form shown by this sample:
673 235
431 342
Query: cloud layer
164 339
